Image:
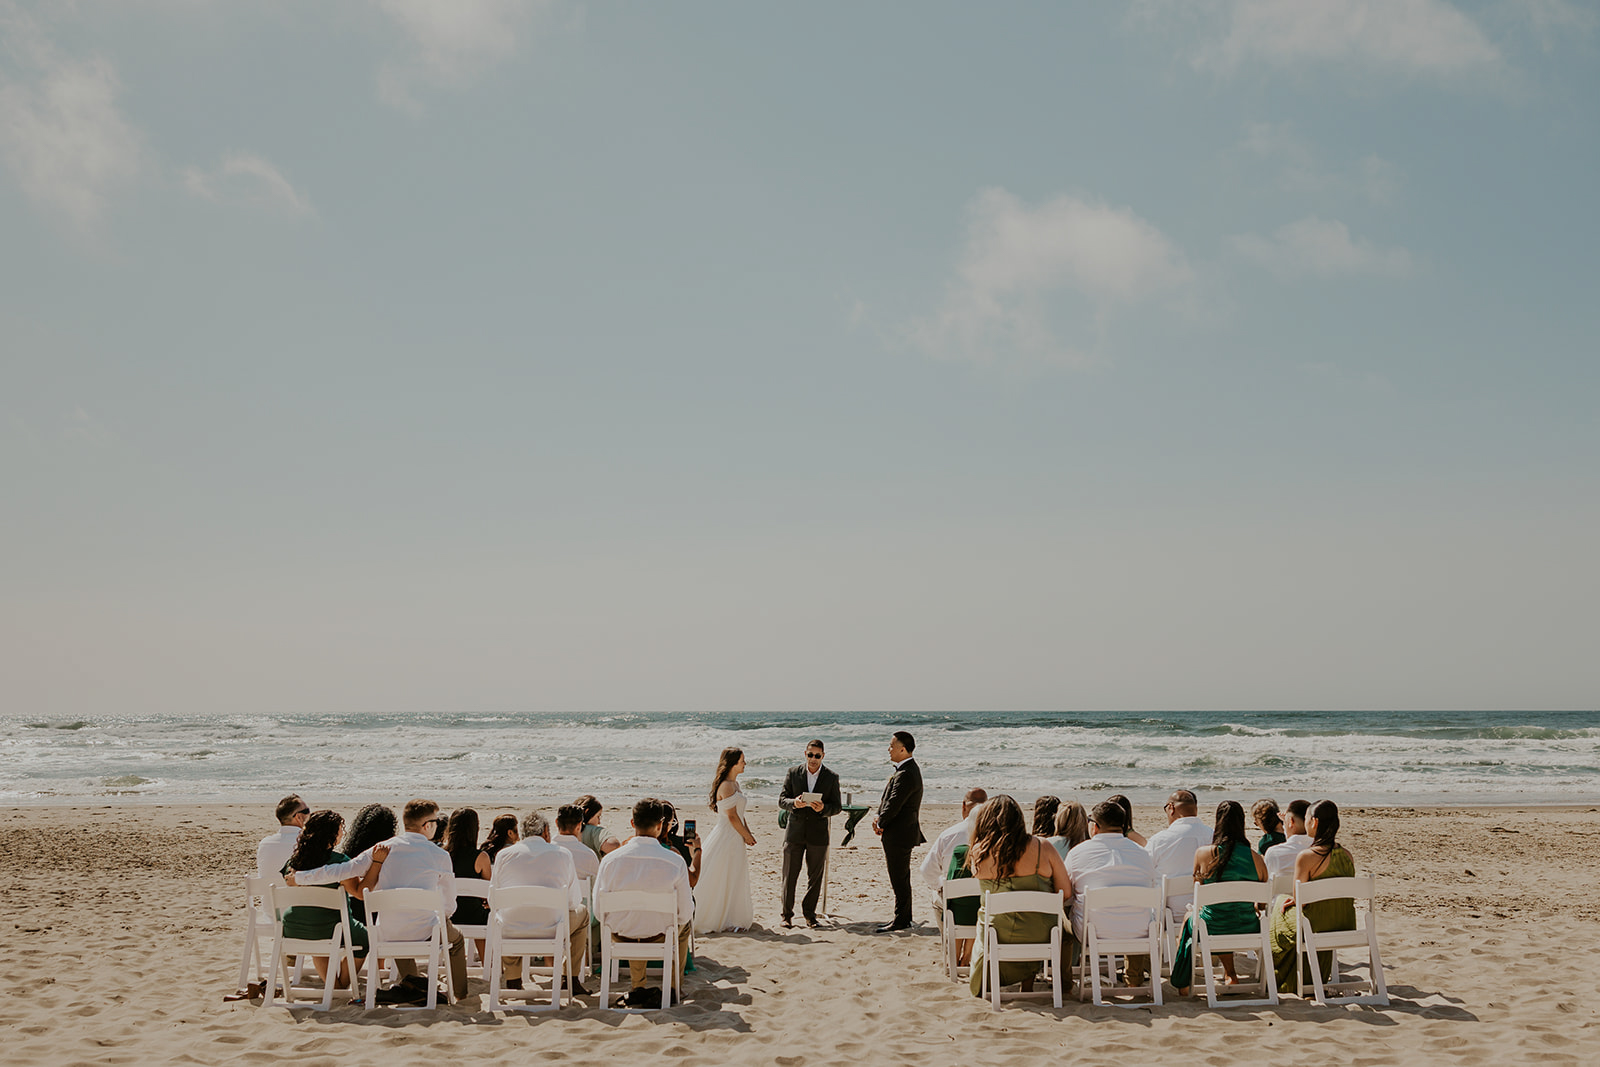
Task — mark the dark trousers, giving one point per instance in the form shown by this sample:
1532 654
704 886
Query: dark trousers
815 857
899 861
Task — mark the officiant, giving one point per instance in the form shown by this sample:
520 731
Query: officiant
809 799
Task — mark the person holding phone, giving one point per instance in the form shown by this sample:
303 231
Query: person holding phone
811 797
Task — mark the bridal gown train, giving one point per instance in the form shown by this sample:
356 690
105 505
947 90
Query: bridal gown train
722 896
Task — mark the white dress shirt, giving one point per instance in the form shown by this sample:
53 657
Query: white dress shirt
646 865
583 857
936 864
535 861
1172 850
1111 859
274 852
1280 858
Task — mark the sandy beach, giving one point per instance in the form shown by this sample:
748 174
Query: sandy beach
123 930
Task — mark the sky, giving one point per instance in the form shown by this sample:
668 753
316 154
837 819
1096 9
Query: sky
574 356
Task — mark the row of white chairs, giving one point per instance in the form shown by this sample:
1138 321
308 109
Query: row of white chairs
1096 967
268 952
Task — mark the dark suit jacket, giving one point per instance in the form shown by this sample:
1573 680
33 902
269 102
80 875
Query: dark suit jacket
806 826
900 806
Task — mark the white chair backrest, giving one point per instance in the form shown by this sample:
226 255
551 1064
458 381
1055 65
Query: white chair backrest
960 888
472 887
1283 884
586 891
1023 900
528 903
404 906
611 901
1176 885
283 897
1359 887
1123 898
1232 892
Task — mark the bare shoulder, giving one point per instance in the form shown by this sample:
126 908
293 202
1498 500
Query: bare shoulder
726 790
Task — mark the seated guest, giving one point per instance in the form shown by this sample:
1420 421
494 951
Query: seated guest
597 837
1172 850
273 851
936 864
1265 815
1324 858
373 824
1227 859
569 829
1280 858
1072 827
1006 858
1044 816
467 861
643 863
689 848
535 860
502 834
314 848
1127 809
415 862
1109 858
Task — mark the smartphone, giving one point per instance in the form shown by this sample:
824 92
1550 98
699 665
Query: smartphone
688 829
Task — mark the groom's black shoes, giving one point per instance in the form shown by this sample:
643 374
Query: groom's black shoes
889 928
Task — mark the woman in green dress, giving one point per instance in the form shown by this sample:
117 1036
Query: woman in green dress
1227 859
1005 858
1326 858
312 849
1269 820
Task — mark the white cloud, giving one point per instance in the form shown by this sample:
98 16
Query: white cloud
1321 248
62 135
244 178
1372 177
451 40
1017 259
1428 37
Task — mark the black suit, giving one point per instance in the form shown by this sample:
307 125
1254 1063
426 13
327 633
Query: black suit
897 818
806 837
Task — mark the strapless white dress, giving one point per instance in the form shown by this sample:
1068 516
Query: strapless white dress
722 897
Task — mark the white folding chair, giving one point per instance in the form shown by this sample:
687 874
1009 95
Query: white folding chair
1177 894
1206 944
1282 884
994 951
582 967
1121 906
479 888
336 946
1309 942
663 905
392 914
528 905
260 927
952 933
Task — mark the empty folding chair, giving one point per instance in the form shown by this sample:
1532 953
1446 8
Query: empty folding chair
1112 919
407 924
995 952
951 932
260 927
1309 942
522 909
336 946
665 907
1259 941
479 888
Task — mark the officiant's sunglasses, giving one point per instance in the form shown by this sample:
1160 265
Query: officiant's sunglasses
813 755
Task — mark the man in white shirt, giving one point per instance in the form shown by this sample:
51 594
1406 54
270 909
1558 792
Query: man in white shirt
274 850
1280 858
1109 858
569 835
1172 850
414 862
535 860
936 864
644 864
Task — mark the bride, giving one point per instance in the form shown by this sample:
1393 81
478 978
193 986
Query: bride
722 895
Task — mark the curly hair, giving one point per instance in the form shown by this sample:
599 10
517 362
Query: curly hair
1044 815
372 824
1001 833
315 843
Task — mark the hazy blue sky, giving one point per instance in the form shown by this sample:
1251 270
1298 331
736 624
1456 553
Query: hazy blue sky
485 355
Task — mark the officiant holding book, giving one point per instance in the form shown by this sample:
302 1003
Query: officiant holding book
810 797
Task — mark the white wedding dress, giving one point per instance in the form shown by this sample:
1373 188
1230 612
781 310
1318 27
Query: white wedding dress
722 896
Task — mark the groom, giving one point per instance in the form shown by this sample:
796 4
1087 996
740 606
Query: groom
806 836
899 827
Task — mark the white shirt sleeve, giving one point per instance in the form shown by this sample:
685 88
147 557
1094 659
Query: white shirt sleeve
934 864
335 872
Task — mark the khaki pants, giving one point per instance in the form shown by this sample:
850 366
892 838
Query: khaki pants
458 961
637 969
578 922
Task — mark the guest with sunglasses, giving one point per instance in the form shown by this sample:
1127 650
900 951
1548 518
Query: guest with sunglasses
273 851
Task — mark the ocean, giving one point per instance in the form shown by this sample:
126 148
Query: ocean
1353 757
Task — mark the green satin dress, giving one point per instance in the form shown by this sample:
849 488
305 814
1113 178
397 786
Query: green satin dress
1222 919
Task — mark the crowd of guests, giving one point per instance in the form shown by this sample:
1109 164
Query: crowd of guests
1068 848
423 848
